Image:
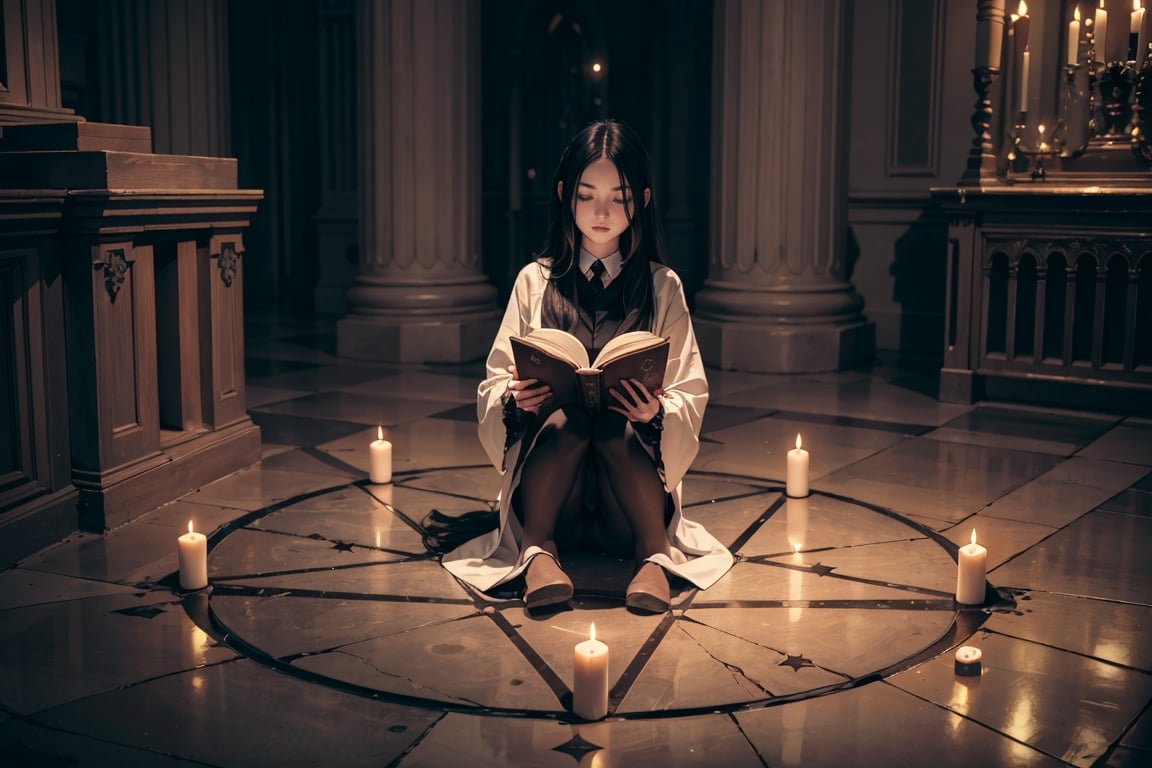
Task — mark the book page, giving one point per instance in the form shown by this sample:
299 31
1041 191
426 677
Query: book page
626 344
561 344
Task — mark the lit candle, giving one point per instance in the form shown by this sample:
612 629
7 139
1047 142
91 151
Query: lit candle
797 478
1145 36
193 549
590 678
1102 33
968 660
1074 38
1135 53
971 570
380 458
1043 144
1024 81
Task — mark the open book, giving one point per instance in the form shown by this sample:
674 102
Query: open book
558 359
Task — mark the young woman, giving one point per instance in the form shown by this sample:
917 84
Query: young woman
609 483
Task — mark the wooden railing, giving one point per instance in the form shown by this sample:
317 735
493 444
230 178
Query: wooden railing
1049 296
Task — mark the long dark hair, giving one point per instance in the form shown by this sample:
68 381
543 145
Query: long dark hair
641 243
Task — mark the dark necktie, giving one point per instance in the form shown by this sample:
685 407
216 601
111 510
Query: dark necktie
597 279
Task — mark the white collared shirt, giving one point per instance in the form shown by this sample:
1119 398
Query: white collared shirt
612 265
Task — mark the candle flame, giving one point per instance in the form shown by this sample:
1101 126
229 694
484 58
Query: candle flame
1041 129
1076 13
1135 5
189 526
592 631
973 535
1101 3
797 440
380 432
1023 9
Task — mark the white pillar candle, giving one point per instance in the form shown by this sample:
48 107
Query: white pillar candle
193 549
971 570
1024 75
1102 34
1074 38
590 678
380 459
1139 36
797 478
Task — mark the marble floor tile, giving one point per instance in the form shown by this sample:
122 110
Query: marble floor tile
256 487
326 378
1135 748
135 554
242 713
1106 630
703 740
1027 429
428 443
54 654
256 396
22 587
1130 502
1065 492
420 385
299 430
928 478
877 724
24 743
850 394
1063 704
760 448
1004 539
1102 555
356 408
1129 442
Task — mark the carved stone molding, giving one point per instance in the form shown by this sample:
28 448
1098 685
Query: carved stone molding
115 266
228 262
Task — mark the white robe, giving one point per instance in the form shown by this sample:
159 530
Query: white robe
493 558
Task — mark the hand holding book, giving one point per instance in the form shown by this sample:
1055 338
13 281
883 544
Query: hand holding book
528 394
558 359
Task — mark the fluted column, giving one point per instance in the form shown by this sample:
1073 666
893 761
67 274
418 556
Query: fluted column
165 65
336 218
778 296
420 294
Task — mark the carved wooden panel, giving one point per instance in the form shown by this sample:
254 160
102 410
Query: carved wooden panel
33 395
123 339
225 346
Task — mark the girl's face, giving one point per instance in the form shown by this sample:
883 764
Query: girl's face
601 208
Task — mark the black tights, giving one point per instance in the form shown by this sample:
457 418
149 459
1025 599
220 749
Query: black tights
631 505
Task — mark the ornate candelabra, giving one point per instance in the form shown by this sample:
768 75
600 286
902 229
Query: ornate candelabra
1105 109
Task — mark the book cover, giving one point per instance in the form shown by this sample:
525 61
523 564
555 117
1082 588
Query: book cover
558 359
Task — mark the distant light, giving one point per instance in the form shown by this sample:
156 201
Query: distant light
596 67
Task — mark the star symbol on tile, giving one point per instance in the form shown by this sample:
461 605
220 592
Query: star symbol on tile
795 662
342 546
141 611
822 570
576 747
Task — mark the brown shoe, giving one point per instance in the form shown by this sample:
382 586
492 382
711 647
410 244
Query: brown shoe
648 591
545 584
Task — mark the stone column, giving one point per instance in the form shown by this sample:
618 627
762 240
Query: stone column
336 217
30 63
165 65
778 297
420 294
